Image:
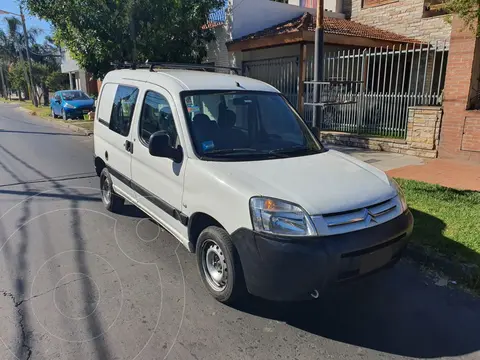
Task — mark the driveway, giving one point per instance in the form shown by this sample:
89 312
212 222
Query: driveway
81 283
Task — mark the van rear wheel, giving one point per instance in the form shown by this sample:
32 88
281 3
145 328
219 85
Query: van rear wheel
111 201
219 265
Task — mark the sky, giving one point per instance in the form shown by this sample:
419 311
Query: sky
32 21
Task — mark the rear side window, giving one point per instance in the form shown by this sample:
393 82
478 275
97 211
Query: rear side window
122 111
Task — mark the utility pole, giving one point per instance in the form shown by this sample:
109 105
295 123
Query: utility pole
318 62
33 92
133 35
4 87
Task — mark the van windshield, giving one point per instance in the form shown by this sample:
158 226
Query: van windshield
74 95
239 125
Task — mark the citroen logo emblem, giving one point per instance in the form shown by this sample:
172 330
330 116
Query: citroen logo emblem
368 217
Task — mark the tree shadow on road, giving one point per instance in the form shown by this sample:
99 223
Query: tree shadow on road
38 133
398 311
93 321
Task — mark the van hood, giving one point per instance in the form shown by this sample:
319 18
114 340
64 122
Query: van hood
323 183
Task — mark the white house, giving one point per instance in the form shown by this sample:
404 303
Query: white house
77 76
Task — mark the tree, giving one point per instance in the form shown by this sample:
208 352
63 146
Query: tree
468 10
16 76
13 43
45 57
108 31
57 81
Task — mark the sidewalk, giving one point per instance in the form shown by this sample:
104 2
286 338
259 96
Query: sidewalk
448 173
381 159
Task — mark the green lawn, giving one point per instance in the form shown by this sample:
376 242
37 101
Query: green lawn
447 220
45 112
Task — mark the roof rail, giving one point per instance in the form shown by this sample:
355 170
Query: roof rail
164 65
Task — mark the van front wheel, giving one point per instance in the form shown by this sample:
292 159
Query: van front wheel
111 201
219 265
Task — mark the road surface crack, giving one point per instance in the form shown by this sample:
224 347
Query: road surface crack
61 285
17 304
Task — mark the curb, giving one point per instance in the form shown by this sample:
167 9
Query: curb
462 272
68 126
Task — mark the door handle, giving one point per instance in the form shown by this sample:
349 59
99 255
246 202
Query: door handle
129 146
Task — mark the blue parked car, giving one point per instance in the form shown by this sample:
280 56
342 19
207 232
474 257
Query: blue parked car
71 104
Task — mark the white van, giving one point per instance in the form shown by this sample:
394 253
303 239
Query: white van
227 166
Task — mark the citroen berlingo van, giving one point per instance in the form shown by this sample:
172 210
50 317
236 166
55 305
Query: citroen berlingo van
229 168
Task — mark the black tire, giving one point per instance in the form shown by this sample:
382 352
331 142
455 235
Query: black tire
53 114
111 201
219 242
64 115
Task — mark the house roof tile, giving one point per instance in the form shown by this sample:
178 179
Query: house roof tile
335 26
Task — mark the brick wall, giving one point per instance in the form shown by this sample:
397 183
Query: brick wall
403 17
423 133
460 132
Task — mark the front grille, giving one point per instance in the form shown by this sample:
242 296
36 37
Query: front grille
357 219
373 248
370 213
84 107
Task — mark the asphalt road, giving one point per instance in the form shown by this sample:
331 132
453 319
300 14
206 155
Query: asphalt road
81 283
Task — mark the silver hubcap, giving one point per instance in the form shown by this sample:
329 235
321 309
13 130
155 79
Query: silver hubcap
214 265
106 191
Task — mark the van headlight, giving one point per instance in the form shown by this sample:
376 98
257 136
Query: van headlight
280 217
400 193
69 106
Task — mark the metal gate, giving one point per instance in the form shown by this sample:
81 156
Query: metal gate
390 80
282 73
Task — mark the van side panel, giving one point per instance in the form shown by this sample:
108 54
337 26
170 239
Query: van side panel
109 145
203 192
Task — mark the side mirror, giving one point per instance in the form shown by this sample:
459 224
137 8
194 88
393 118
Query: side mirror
159 146
57 101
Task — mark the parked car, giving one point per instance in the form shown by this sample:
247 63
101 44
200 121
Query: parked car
230 169
71 104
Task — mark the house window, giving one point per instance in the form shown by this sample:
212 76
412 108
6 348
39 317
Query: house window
433 8
373 3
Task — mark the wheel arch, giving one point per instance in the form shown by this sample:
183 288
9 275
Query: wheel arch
99 165
198 222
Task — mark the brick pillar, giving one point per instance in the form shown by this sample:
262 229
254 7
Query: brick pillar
462 69
99 85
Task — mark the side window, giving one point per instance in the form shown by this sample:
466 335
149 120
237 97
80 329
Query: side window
157 116
122 110
57 97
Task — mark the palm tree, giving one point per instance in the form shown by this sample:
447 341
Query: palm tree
44 56
3 52
14 39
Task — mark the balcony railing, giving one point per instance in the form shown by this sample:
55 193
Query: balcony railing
218 17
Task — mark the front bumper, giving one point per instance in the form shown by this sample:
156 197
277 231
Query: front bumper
77 112
283 269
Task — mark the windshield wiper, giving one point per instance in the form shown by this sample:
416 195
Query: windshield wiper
243 151
230 151
295 151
